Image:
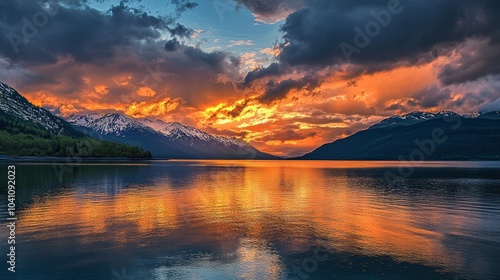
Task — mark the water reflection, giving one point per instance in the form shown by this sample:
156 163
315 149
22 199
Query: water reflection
243 220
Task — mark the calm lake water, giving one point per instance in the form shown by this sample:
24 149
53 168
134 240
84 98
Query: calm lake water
255 220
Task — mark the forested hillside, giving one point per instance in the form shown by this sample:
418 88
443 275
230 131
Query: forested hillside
22 138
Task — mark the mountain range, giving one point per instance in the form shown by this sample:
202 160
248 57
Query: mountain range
26 129
17 107
29 130
164 139
420 136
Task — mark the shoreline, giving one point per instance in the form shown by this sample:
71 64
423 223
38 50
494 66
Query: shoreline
4 158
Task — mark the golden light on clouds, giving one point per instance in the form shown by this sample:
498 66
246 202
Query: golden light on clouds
101 89
271 51
264 81
145 92
295 123
122 80
68 109
144 109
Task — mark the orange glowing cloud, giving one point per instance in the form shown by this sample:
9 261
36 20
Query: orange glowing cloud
144 109
300 121
101 89
146 92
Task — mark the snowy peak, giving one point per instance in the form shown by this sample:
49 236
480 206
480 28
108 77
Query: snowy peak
425 116
417 117
176 130
15 105
165 139
234 141
84 120
154 124
112 123
120 125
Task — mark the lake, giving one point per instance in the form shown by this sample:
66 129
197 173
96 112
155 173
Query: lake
255 220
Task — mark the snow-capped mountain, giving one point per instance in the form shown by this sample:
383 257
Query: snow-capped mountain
114 124
175 130
418 117
474 137
165 139
414 118
15 105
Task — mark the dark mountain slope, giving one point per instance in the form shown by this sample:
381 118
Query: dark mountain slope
26 130
165 140
465 139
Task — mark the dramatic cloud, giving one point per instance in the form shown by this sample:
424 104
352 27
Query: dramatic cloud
321 69
276 91
172 45
287 135
41 33
431 97
85 59
382 34
271 11
183 5
492 107
275 69
476 59
181 31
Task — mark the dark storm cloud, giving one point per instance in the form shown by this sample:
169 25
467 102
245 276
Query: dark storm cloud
181 31
479 59
269 8
172 45
41 33
122 49
431 97
478 100
217 60
276 91
388 33
396 107
275 69
183 5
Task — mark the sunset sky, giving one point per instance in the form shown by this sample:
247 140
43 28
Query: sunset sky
285 75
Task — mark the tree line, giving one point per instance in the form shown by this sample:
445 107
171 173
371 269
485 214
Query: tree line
22 138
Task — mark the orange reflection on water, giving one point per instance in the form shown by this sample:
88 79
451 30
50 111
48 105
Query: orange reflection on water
289 202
